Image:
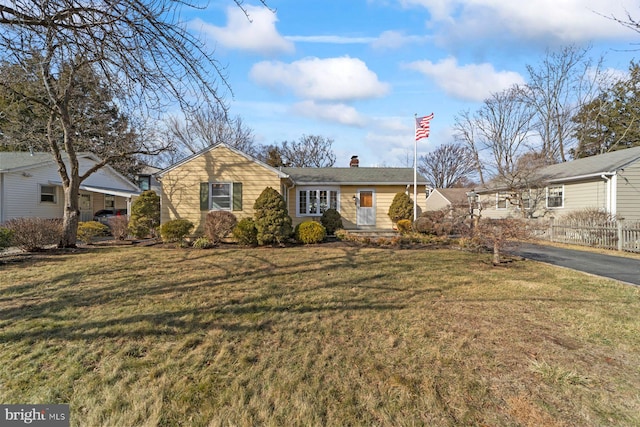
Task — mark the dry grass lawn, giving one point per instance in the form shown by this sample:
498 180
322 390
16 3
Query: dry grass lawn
317 335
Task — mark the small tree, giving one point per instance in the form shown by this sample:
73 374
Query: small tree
272 218
145 214
401 207
498 233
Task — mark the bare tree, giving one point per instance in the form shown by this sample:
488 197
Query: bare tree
556 89
447 166
312 151
139 48
497 133
205 127
465 130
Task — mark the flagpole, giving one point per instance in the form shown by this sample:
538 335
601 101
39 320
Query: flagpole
415 167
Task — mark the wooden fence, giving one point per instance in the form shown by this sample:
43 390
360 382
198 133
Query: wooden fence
616 235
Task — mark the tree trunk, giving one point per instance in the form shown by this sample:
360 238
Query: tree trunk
71 216
496 253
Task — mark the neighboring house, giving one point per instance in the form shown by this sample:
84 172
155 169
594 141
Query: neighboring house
30 186
146 179
608 182
447 198
224 178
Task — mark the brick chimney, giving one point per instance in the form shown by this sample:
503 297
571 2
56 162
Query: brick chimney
354 162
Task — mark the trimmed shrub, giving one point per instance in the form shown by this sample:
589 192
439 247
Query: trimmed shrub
245 232
310 232
89 230
203 243
175 230
6 236
404 226
434 222
145 215
119 227
401 207
33 234
331 221
272 218
218 225
588 216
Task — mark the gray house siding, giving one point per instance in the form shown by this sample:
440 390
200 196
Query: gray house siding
628 193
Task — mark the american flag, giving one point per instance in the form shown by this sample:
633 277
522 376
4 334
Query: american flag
422 126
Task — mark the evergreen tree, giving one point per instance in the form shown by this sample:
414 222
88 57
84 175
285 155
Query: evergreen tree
612 120
272 219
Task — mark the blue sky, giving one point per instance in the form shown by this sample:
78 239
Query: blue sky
357 71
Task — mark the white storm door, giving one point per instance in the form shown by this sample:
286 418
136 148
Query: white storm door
366 214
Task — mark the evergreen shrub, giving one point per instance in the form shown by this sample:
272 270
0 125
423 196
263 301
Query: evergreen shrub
175 230
6 236
310 232
245 232
90 230
332 221
272 218
145 215
401 207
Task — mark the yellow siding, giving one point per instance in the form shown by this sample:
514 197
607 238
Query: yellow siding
628 189
384 197
181 186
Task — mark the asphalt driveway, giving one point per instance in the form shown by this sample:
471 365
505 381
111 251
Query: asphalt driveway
611 266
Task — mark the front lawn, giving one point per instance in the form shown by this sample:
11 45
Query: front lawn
317 335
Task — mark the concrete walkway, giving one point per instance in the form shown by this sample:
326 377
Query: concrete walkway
614 267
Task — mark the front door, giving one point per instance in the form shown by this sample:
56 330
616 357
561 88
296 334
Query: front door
86 212
366 214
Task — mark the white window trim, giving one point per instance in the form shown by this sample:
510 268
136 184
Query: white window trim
547 197
55 194
318 189
230 184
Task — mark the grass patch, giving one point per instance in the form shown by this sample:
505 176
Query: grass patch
316 335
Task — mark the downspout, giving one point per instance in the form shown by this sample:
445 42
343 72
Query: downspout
610 194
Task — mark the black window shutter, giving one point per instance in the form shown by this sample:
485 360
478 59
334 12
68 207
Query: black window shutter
237 196
204 196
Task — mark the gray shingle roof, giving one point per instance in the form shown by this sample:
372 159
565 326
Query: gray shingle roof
603 163
355 176
22 159
19 160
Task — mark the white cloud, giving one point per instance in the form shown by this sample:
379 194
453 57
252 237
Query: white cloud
394 40
255 33
474 82
331 79
566 21
337 113
331 39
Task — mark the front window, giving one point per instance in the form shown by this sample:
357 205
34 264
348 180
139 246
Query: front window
555 196
501 200
221 196
315 201
48 194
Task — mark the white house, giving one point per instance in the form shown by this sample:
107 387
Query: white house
30 186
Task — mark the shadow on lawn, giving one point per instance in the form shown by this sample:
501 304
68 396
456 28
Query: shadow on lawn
66 305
